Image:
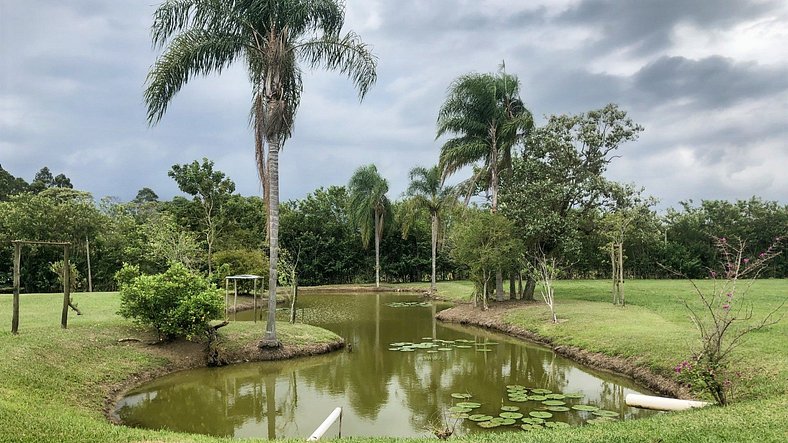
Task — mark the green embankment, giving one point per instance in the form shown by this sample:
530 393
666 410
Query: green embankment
53 382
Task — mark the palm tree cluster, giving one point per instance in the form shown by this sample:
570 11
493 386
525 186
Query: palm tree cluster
273 38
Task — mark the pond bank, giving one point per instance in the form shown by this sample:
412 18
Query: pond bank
495 318
237 343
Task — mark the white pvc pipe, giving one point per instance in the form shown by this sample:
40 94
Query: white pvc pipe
332 417
662 403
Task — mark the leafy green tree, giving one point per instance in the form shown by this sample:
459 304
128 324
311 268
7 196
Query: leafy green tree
211 189
145 195
44 180
10 185
427 192
319 226
485 242
557 181
369 207
272 37
488 118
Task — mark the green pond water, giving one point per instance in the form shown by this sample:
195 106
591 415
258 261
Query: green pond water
398 380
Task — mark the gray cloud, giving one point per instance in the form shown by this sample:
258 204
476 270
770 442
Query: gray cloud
72 96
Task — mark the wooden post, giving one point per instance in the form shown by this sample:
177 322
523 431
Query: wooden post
614 273
66 287
90 274
621 273
226 296
17 262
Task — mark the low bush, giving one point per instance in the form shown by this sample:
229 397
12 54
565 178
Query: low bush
176 303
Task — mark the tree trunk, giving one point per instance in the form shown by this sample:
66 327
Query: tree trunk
530 287
293 302
433 286
614 272
512 289
377 248
273 241
499 285
66 287
519 285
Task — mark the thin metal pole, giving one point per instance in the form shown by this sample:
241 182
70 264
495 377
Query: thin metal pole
90 274
17 261
254 301
235 301
226 296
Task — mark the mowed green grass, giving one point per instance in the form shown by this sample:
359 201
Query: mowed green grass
53 381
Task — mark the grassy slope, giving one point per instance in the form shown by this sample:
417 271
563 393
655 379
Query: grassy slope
51 381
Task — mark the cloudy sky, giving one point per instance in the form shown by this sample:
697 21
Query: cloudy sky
708 79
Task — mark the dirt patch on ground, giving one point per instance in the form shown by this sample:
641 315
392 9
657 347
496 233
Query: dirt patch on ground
182 354
493 319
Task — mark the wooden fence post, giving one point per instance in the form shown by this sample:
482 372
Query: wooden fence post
66 287
17 264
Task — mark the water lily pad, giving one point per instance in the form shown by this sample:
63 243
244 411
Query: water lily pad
480 417
432 351
459 415
510 408
426 338
574 395
541 391
394 349
537 397
540 414
444 349
468 404
555 396
605 413
407 349
531 427
533 420
556 424
459 409
463 346
510 415
488 424
588 408
518 399
558 408
515 387
553 403
460 395
483 350
507 421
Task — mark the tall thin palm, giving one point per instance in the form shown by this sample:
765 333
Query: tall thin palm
271 37
368 207
428 192
487 118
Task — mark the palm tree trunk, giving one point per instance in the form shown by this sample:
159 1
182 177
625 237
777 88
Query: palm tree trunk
273 240
433 287
378 216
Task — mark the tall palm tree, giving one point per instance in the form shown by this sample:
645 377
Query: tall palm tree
271 37
487 117
368 207
428 192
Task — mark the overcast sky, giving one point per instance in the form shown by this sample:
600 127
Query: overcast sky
707 79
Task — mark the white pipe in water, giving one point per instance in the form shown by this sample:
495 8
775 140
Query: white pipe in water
332 417
662 403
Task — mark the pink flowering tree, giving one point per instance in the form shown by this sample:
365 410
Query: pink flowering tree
725 316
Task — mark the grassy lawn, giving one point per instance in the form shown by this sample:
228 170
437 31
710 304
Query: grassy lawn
53 382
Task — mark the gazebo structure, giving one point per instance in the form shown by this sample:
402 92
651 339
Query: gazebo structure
235 279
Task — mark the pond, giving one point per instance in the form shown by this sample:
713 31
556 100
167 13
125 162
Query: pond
406 375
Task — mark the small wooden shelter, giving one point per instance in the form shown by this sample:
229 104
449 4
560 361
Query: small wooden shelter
235 279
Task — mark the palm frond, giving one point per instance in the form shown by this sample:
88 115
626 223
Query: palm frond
193 52
348 55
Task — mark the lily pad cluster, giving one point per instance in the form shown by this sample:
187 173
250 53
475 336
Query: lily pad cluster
408 304
435 345
537 413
